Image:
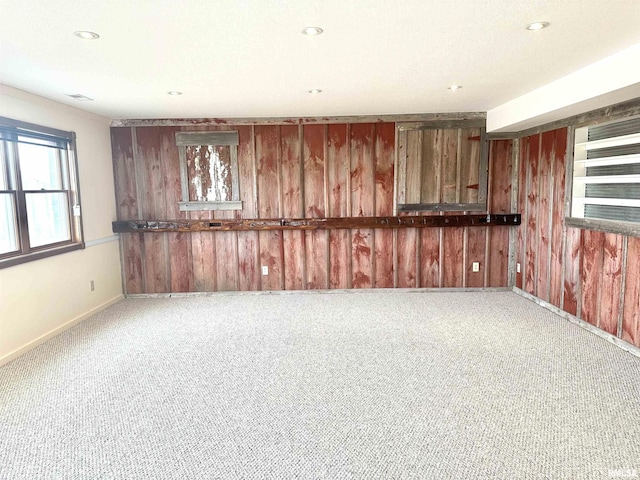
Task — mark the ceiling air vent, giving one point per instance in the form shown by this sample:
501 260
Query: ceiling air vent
80 97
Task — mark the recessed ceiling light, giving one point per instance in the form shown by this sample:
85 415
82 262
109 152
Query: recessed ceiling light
537 25
312 31
453 88
174 93
315 90
85 35
80 97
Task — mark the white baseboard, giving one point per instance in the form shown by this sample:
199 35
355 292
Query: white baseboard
624 345
38 341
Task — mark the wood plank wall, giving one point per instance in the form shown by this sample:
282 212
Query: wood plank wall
312 170
590 274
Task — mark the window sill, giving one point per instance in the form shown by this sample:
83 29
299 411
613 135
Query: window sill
30 257
196 206
608 226
442 207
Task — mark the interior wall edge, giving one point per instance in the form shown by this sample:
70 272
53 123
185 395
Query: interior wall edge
632 349
58 330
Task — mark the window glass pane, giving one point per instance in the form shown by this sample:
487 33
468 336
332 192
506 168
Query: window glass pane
210 176
8 230
39 167
4 185
48 218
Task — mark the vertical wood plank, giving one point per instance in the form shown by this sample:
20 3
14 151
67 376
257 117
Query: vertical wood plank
499 202
557 252
611 283
591 273
151 180
124 170
248 242
179 243
476 242
294 250
203 248
631 310
226 247
453 274
407 239
449 191
315 241
362 202
338 150
572 267
384 158
547 144
532 163
453 261
271 251
420 144
426 151
522 209
429 258
414 165
469 164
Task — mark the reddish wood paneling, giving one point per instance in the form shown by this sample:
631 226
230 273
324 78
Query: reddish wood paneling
592 243
531 160
124 169
407 244
179 244
384 151
293 207
362 203
339 194
316 246
543 255
611 283
295 171
631 310
430 257
452 261
500 169
248 242
572 262
476 243
268 172
522 208
151 182
558 183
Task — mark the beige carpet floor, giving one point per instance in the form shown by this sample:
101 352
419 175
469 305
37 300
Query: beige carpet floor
382 385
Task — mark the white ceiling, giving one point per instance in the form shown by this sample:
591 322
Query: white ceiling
247 58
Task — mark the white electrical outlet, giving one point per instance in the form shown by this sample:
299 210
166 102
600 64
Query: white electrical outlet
475 266
518 267
265 270
92 285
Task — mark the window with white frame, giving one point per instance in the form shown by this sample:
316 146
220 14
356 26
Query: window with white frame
39 198
606 171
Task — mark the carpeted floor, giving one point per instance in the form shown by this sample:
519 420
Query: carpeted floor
384 385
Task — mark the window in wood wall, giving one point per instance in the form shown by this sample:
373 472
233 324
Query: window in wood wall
606 172
442 168
209 170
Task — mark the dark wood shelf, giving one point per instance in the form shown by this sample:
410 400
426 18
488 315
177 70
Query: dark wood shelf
426 221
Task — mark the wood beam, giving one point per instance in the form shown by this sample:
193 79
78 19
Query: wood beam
151 226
